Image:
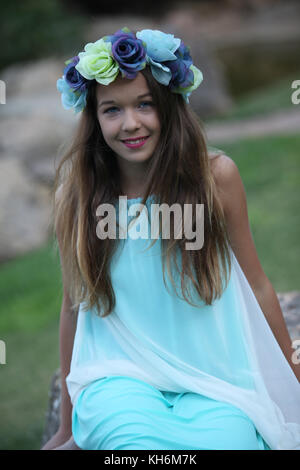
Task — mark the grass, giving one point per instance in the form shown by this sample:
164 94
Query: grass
25 284
31 291
270 170
31 295
31 359
276 97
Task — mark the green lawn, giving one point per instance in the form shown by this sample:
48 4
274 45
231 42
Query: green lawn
275 97
31 292
31 295
270 170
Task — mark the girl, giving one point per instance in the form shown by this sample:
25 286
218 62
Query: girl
195 358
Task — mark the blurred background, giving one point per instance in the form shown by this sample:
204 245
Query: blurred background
249 55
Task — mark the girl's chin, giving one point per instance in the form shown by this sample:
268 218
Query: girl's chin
136 158
137 155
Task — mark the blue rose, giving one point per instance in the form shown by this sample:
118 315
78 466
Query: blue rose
182 75
73 78
71 98
197 80
128 52
161 47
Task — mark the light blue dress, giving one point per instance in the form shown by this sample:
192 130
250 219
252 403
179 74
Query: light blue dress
158 373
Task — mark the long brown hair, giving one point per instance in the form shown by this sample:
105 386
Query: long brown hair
178 172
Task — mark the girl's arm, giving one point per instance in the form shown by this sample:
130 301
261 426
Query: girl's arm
66 340
233 198
67 329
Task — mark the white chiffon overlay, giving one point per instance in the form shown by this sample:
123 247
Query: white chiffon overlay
225 351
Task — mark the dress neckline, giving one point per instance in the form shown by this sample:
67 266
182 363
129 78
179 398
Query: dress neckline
132 200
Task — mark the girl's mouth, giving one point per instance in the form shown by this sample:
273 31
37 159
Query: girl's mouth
135 143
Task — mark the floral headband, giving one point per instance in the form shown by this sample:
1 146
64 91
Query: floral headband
169 60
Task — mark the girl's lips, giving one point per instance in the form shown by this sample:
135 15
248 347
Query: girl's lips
140 142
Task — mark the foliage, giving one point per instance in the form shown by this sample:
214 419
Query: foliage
31 29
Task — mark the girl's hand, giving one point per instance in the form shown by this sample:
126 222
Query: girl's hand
61 441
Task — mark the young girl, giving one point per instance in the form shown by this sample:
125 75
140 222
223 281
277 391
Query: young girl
195 357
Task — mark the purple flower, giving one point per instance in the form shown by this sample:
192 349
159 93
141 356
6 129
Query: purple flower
128 51
182 75
73 78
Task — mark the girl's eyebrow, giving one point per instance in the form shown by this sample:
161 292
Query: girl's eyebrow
112 102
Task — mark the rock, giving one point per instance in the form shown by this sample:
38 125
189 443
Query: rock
290 305
25 210
31 79
33 126
53 417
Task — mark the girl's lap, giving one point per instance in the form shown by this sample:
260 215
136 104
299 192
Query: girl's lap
118 413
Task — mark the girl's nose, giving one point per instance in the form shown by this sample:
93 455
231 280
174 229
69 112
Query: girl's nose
130 121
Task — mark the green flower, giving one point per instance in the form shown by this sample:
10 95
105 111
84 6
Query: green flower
98 63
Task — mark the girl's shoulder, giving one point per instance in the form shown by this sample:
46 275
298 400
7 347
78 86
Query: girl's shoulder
221 165
227 179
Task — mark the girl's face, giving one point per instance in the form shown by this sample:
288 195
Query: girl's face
128 118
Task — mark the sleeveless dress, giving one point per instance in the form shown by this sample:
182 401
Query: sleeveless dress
159 373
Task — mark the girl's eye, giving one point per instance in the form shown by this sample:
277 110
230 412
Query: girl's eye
146 103
111 110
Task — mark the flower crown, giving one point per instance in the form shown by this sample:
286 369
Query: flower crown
168 58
